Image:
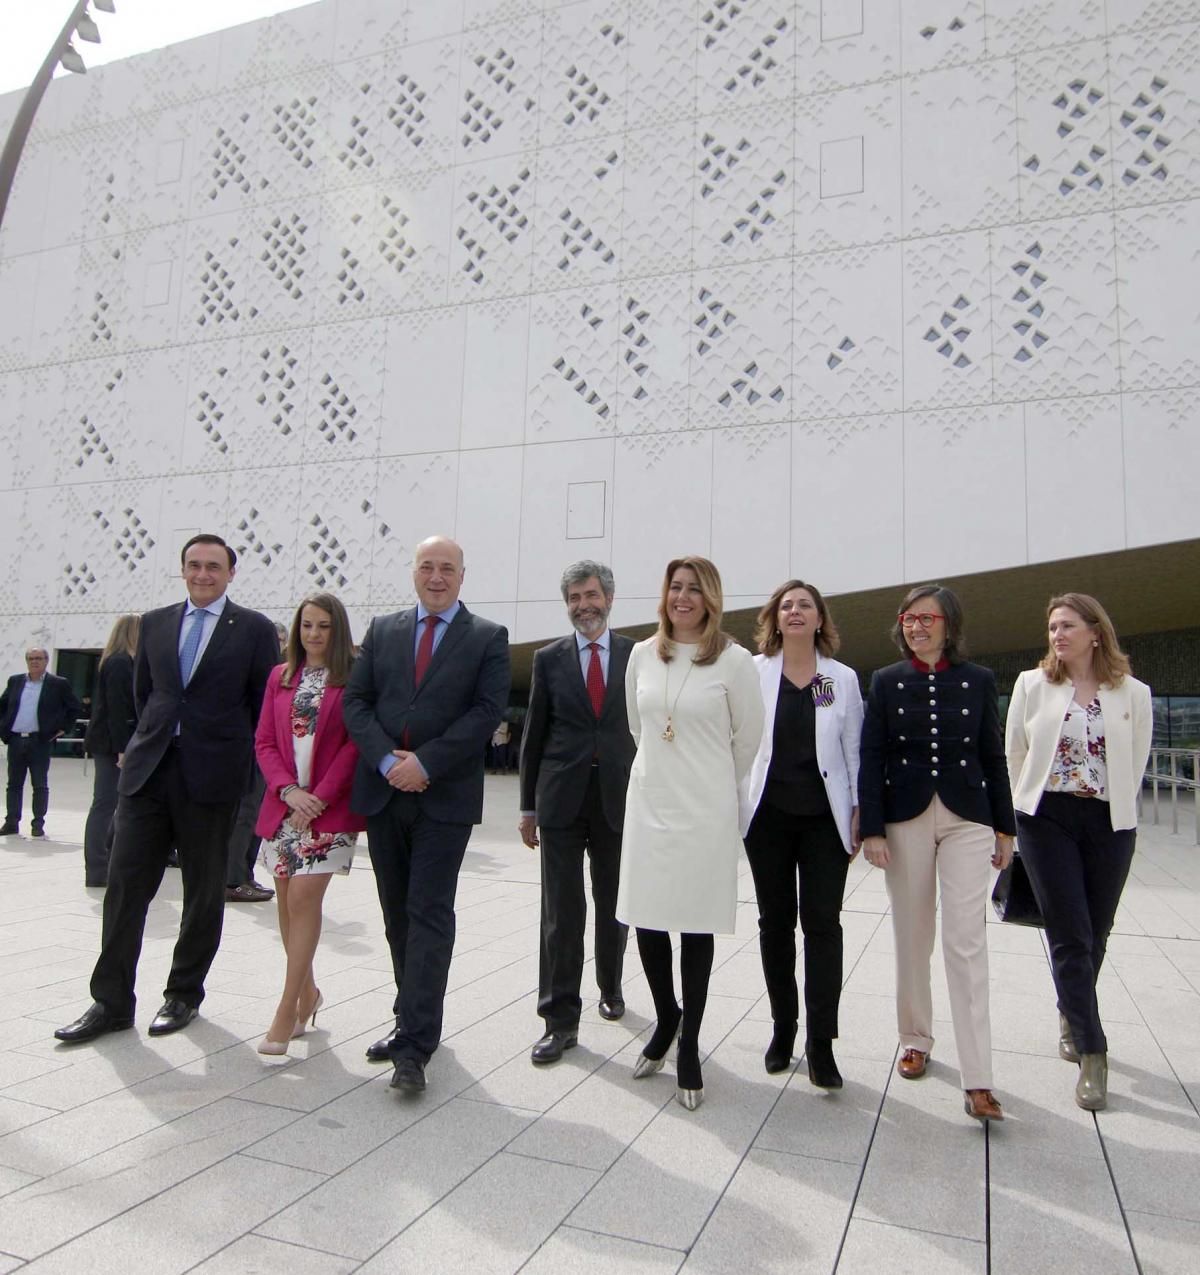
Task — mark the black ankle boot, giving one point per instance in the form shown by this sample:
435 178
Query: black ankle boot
822 1069
779 1052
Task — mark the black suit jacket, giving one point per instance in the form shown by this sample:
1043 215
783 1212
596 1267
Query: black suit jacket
563 736
216 712
448 719
57 706
113 713
927 733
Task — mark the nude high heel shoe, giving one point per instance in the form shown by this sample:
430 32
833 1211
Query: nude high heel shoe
273 1047
302 1023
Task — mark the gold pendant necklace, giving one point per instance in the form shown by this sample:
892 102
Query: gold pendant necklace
669 733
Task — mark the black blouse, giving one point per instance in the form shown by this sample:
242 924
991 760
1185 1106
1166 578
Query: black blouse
794 784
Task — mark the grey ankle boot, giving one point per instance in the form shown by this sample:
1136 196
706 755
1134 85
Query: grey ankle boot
1066 1045
1091 1090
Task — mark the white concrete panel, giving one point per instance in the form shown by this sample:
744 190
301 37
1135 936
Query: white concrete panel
423 381
549 471
498 88
847 347
847 480
415 498
262 526
585 58
1054 303
751 507
578 213
862 208
656 326
661 69
345 392
746 55
964 490
960 148
572 376
491 244
1089 431
493 392
336 530
488 525
941 33
1021 26
1158 324
657 207
1162 463
840 43
663 506
57 305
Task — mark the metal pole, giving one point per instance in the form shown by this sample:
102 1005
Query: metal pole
1174 792
1154 783
1196 795
23 120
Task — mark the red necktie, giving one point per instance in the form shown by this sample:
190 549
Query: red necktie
595 679
425 650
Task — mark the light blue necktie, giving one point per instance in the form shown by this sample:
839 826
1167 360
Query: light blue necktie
191 645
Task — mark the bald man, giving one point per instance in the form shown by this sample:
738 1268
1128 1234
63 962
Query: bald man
427 690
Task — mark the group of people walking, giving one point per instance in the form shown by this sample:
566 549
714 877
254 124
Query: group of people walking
658 762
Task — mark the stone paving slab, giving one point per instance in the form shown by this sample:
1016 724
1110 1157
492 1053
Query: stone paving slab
194 1153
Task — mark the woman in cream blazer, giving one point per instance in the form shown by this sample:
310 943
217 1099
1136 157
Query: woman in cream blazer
1077 741
798 814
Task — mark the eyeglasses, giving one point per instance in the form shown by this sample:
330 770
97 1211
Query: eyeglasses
926 619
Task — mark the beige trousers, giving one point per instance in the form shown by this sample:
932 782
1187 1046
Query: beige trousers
939 848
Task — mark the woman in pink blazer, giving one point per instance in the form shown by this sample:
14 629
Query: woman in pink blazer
308 828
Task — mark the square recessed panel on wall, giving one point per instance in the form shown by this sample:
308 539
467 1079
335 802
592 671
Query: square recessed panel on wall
842 167
585 510
841 19
168 162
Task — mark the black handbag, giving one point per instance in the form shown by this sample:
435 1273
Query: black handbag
1013 896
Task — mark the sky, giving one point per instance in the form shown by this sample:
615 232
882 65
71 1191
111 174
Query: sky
137 26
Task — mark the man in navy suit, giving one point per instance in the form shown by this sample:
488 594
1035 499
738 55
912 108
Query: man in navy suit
35 708
575 761
199 676
425 694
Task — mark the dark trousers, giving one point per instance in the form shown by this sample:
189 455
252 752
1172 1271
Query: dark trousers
148 824
243 844
1077 866
799 866
28 755
416 861
98 831
564 911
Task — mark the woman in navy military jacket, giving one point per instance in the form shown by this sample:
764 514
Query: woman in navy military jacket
935 808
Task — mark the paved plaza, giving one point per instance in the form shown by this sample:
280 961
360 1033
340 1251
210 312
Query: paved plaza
193 1152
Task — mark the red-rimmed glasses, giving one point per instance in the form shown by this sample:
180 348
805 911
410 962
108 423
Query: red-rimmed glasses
910 619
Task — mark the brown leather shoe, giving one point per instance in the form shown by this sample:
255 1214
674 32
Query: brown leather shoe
912 1064
982 1104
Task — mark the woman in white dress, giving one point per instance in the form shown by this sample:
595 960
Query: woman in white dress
307 760
696 715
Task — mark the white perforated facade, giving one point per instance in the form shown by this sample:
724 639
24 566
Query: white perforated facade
864 290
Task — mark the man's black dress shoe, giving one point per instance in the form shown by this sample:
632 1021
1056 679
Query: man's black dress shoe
37 830
172 1016
95 883
409 1075
93 1022
381 1050
9 830
550 1048
612 1007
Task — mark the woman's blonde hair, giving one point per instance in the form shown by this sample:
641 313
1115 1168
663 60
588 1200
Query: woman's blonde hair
123 637
339 655
1109 662
766 627
712 640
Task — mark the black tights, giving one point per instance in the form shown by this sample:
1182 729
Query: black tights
695 966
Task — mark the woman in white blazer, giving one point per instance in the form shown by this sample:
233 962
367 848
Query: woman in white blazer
1077 741
799 816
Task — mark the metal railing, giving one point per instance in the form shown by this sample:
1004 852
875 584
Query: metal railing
1176 769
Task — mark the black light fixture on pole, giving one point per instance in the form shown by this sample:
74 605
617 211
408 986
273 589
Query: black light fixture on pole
62 50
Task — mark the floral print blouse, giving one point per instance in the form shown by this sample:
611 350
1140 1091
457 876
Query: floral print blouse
1079 761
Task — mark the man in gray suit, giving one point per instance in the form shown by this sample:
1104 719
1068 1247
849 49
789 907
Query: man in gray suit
425 694
575 760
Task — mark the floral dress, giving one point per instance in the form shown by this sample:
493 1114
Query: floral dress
291 851
1079 760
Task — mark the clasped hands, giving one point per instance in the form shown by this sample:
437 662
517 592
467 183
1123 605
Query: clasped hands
304 807
406 774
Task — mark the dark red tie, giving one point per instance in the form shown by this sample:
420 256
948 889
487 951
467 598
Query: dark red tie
595 679
425 649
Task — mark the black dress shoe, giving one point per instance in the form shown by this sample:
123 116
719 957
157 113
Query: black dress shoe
612 1007
381 1050
550 1048
95 883
409 1075
172 1016
9 830
37 830
93 1022
822 1068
